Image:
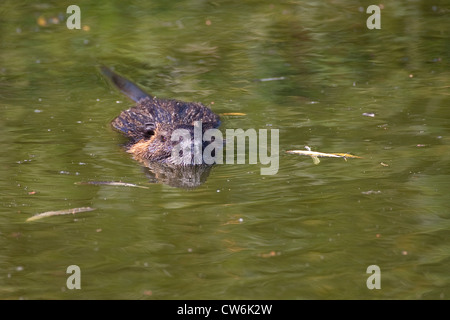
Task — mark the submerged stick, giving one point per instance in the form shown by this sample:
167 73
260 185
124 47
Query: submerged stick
59 213
112 183
271 79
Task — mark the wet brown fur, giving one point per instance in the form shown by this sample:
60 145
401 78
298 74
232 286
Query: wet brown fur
150 124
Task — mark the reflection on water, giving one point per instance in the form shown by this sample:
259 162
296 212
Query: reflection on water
191 176
308 232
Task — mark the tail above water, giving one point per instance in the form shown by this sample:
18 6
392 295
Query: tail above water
127 87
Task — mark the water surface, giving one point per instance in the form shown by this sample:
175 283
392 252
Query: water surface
307 232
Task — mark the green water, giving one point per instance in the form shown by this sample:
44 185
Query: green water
307 232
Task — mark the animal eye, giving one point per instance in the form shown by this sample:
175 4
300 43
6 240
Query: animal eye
149 129
163 139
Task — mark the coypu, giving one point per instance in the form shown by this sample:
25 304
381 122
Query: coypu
149 126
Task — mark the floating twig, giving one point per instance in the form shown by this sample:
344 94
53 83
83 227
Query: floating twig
59 213
233 114
315 155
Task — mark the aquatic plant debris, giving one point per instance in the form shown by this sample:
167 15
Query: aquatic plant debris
112 183
315 155
59 213
271 79
233 114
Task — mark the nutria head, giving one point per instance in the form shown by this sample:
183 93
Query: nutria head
168 143
160 130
